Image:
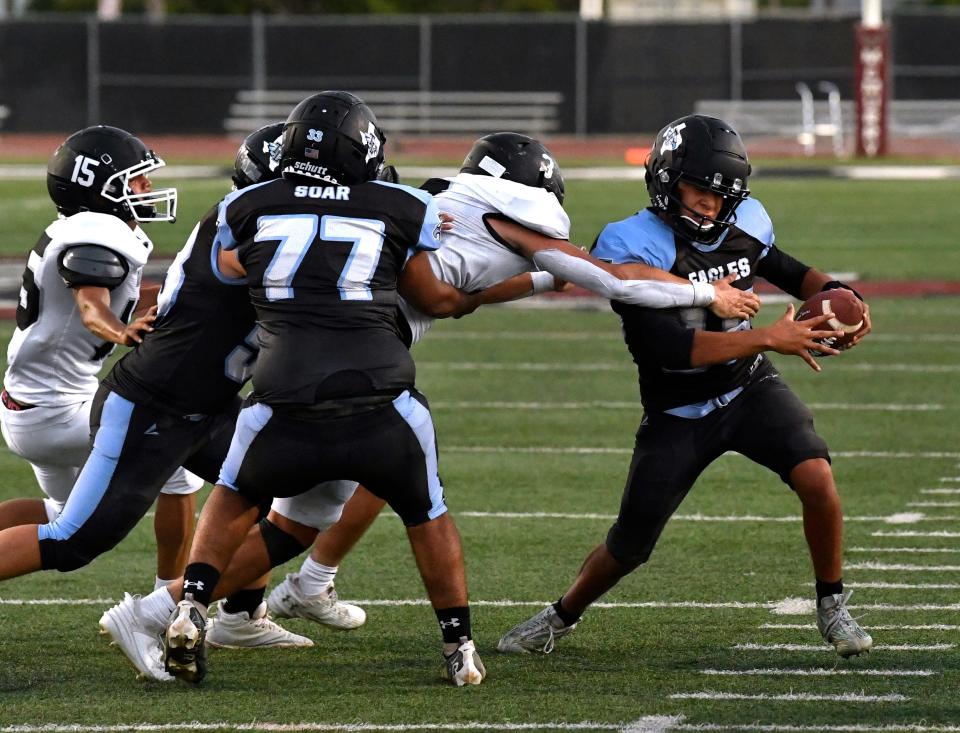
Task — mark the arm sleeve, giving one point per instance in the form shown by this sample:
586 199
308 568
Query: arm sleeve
664 337
647 293
783 271
92 264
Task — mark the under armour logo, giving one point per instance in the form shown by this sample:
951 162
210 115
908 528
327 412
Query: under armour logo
152 430
314 136
198 584
452 623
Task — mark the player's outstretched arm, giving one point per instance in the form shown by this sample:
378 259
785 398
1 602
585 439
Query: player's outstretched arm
93 303
424 291
785 336
572 264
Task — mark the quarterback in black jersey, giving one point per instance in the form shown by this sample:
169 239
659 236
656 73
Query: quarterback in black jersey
321 250
705 383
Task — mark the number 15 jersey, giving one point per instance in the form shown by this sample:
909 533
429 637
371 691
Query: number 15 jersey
322 262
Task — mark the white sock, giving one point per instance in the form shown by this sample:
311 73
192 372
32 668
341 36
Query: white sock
157 607
160 583
315 578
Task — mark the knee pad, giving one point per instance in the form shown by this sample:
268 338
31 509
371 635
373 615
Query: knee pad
626 548
63 555
281 546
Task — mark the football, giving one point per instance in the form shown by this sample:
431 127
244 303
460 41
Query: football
847 311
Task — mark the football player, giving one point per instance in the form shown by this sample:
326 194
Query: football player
80 288
706 385
472 259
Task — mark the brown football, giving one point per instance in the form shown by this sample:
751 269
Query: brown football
846 308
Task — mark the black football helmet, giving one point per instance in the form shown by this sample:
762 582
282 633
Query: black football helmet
515 157
92 169
258 158
707 153
332 136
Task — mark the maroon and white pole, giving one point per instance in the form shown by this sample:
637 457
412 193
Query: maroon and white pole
872 81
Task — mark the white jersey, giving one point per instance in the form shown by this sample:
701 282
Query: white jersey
52 358
471 258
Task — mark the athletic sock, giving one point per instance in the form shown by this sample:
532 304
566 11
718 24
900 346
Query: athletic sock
315 578
244 601
199 580
159 582
825 589
156 608
454 624
569 619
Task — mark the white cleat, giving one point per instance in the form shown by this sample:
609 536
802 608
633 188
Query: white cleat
537 634
287 600
839 628
239 631
128 631
463 666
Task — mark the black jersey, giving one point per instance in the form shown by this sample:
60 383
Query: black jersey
322 261
204 344
660 341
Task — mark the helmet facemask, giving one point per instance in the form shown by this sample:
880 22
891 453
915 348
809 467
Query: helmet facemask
693 224
158 205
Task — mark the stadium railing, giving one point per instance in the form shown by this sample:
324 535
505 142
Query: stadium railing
784 118
416 112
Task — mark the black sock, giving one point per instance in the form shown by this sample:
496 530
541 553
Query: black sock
245 600
825 589
454 623
569 619
199 580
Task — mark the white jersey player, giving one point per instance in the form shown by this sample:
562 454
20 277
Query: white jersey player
79 289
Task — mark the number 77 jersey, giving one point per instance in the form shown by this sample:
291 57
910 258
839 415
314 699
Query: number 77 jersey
322 262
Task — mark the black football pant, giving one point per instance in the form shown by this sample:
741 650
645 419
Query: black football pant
767 423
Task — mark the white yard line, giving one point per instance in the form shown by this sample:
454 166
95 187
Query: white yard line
851 728
907 550
940 491
934 503
583 450
878 627
818 672
654 724
307 727
877 585
785 607
635 405
607 366
790 697
902 567
825 648
903 518
913 533
948 479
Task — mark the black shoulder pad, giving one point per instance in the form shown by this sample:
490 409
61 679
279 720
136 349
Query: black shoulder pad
435 186
92 264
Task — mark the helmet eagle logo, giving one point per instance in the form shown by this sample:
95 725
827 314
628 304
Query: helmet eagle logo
372 141
672 138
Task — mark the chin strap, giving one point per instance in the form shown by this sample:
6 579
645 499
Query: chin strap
834 284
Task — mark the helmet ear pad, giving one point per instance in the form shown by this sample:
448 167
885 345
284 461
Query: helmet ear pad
704 152
332 136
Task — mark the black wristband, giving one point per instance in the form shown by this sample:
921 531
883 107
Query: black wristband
834 284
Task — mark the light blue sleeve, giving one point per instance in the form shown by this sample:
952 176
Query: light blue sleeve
642 238
754 220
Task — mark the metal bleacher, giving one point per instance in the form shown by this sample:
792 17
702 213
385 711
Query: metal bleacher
791 118
416 112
